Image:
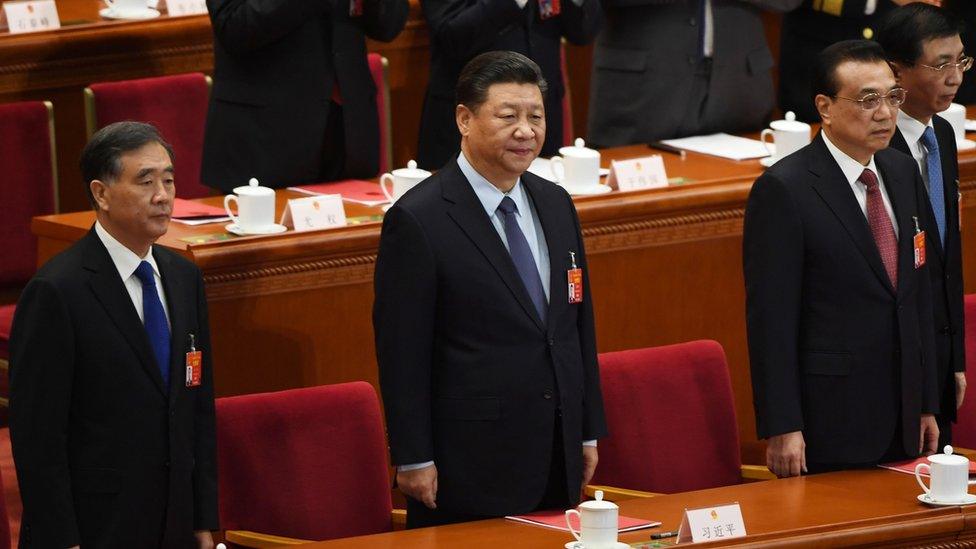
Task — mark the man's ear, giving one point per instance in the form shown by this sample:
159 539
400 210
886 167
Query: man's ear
823 104
100 190
463 116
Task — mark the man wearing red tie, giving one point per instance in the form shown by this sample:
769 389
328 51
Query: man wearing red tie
838 299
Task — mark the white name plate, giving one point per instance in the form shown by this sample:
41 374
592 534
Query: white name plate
712 523
183 7
638 173
314 212
30 16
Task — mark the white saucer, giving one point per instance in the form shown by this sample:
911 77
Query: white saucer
136 14
579 545
965 145
594 189
969 500
271 229
767 161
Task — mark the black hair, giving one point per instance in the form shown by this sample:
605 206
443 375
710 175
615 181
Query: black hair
496 67
904 30
833 56
102 157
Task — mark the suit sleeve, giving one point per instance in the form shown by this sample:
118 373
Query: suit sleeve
242 26
465 28
384 19
594 420
579 24
205 430
405 287
930 386
773 267
955 284
41 377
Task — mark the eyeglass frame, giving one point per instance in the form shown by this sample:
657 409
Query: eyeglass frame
875 95
968 60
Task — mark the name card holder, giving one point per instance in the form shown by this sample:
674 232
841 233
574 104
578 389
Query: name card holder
711 523
176 8
22 16
314 212
638 173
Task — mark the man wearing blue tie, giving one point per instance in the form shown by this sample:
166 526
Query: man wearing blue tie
923 45
111 389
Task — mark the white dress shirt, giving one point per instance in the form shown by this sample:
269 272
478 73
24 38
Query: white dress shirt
912 131
126 261
852 171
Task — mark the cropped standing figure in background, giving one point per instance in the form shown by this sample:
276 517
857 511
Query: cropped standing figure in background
965 11
926 53
462 29
673 68
293 100
113 438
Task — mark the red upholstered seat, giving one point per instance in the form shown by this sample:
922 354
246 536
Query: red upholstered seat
177 105
378 68
306 463
671 419
964 431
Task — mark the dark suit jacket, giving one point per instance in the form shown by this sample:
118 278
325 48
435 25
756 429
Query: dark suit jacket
835 351
275 65
104 456
945 268
470 376
805 33
462 29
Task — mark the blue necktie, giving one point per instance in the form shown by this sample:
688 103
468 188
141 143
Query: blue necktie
518 247
154 319
936 186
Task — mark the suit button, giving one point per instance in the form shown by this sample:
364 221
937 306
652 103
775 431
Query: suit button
692 22
172 412
551 342
691 60
166 464
946 330
547 394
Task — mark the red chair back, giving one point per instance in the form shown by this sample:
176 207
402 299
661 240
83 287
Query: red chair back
306 463
28 185
671 419
176 105
377 67
964 431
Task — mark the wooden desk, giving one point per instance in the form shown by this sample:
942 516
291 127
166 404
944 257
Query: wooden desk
294 310
874 507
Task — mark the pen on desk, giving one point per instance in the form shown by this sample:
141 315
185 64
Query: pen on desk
662 535
667 148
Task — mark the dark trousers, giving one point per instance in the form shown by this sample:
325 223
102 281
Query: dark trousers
334 145
945 430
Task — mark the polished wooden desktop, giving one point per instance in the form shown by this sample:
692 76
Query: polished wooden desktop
876 508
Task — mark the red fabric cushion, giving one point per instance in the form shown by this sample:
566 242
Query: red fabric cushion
379 78
176 105
671 419
6 320
964 432
26 186
306 463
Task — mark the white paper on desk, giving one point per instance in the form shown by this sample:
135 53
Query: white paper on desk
194 221
724 145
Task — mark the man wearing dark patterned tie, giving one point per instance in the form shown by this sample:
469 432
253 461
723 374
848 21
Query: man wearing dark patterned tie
487 354
926 52
111 389
838 298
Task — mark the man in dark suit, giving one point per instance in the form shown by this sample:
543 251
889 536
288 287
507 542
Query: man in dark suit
922 43
838 307
293 100
462 29
673 68
483 320
111 416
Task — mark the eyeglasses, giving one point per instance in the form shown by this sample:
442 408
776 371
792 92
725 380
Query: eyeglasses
963 65
871 101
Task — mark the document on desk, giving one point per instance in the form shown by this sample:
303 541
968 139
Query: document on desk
190 212
357 191
724 145
556 520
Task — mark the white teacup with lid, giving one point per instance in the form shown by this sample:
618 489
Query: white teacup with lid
598 523
578 167
948 478
789 135
255 207
402 180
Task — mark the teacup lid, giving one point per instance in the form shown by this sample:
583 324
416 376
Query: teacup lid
579 149
412 171
598 503
948 458
253 189
789 124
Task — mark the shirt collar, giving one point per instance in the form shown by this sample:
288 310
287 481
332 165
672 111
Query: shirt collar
124 259
489 195
852 168
910 128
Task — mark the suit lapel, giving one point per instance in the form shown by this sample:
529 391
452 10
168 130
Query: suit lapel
554 244
900 194
833 188
176 303
466 210
111 293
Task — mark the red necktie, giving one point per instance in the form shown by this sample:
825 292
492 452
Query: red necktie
881 228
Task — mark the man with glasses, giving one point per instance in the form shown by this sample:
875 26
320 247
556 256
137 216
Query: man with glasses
926 53
838 303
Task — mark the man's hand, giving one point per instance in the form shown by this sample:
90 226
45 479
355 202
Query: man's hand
786 454
204 539
928 435
590 459
420 484
960 388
